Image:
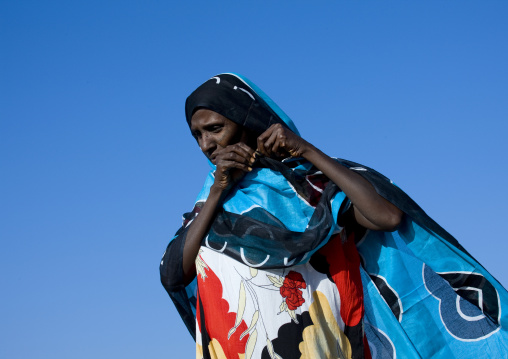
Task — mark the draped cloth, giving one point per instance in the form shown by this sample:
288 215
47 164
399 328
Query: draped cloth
416 291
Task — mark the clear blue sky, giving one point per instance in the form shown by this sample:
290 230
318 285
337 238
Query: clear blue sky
97 163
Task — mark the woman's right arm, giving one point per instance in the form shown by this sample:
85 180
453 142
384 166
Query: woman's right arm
197 231
232 163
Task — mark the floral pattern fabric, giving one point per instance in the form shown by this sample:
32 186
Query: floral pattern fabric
244 312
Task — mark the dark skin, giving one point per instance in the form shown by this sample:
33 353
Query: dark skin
231 148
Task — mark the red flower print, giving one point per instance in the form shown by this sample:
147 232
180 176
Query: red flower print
291 290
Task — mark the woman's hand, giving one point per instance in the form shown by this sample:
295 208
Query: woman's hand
232 163
279 141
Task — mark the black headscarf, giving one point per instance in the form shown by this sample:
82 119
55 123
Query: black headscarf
233 98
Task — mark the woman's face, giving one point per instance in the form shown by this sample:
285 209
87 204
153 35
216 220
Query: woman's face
212 131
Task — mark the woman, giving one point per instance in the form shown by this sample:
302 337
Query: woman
296 254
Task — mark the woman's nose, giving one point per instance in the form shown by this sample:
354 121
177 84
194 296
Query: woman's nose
207 143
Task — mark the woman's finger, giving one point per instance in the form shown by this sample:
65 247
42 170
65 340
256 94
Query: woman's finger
274 141
266 139
262 139
244 147
231 156
279 144
271 142
240 148
235 152
243 150
226 166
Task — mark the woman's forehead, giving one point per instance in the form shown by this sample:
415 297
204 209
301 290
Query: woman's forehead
204 116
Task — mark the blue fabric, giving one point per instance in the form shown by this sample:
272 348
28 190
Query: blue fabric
424 272
273 216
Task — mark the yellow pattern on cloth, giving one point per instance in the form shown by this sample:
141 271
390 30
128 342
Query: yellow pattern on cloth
215 350
324 334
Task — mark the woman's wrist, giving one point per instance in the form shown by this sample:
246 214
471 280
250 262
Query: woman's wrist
309 151
216 191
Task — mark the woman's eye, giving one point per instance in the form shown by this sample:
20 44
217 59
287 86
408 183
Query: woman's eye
216 129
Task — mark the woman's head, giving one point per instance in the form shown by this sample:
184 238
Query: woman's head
240 101
228 109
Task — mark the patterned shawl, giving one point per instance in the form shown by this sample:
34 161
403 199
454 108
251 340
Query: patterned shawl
424 295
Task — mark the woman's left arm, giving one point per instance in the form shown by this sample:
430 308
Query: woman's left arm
370 209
